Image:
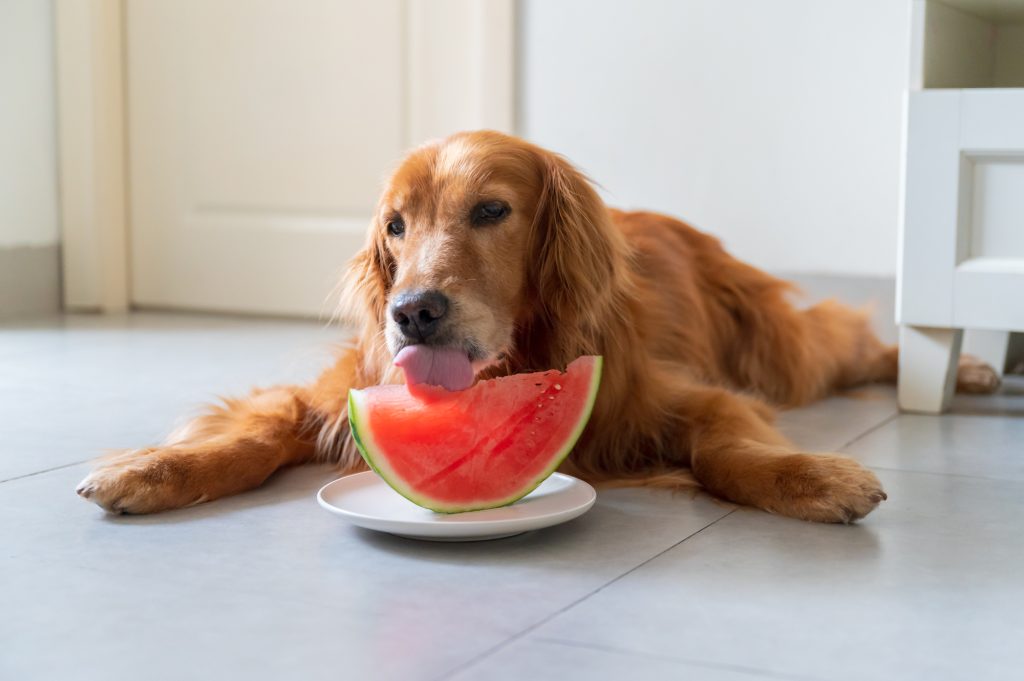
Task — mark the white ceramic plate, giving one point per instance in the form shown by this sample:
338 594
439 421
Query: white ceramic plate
365 500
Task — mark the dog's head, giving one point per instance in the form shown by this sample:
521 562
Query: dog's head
484 243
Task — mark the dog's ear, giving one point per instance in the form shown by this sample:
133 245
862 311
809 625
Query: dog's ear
577 255
365 287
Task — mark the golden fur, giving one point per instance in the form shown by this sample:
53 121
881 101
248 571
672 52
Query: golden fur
699 347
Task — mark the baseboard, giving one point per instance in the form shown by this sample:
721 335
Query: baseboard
29 281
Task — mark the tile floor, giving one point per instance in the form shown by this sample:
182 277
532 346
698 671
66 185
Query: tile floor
646 586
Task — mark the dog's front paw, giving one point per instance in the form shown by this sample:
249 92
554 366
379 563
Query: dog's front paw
826 488
140 481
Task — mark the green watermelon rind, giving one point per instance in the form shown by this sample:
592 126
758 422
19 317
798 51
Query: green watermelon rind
364 442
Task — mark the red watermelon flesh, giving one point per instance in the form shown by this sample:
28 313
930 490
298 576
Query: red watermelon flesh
483 447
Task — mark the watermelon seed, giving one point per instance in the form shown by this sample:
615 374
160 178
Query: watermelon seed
551 397
558 386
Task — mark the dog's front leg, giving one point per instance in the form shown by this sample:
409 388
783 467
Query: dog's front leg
737 454
230 449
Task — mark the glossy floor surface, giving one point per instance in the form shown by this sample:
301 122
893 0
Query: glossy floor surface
648 585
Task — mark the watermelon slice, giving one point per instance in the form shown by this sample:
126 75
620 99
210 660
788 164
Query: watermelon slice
483 447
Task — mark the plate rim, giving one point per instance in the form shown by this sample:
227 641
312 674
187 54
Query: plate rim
462 524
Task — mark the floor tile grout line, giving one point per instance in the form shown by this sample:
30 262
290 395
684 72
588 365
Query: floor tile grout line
967 414
754 671
971 415
967 476
544 620
881 424
910 470
46 470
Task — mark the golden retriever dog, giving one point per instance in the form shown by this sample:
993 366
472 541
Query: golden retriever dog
503 253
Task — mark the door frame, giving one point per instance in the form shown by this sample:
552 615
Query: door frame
93 134
92 148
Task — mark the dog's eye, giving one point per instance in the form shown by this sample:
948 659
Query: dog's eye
396 227
490 212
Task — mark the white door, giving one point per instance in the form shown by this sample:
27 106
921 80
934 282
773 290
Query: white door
259 132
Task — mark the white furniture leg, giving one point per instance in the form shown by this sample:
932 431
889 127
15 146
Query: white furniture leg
988 346
928 366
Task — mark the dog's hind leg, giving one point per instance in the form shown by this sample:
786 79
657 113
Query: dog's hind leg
795 356
810 353
842 340
231 448
736 454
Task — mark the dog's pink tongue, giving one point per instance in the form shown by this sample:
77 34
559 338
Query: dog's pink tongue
446 367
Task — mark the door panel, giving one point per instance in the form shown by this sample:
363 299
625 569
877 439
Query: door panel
259 133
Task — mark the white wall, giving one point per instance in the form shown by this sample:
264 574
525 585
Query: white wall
774 124
28 162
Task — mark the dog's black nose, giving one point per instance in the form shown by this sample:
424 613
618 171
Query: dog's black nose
419 313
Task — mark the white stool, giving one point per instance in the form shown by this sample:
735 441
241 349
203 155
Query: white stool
962 238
